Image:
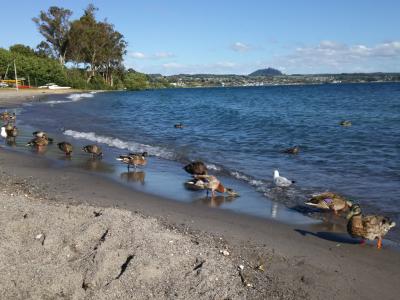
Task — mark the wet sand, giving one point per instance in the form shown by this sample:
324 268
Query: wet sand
68 233
12 98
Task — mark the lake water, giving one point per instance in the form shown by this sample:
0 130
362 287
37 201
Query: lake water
240 133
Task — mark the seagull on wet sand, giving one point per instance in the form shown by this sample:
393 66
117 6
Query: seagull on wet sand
281 181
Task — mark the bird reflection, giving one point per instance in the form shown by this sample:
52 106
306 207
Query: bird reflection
134 176
92 164
216 201
274 210
39 149
10 141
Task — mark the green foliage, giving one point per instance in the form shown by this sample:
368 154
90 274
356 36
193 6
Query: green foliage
136 81
39 70
22 49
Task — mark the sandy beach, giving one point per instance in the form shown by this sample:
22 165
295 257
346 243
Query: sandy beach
12 98
70 234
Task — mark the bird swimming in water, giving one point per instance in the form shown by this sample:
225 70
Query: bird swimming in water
292 150
281 181
66 148
345 123
179 125
94 150
196 168
367 227
135 159
211 183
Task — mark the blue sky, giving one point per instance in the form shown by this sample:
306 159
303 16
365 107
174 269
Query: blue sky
236 37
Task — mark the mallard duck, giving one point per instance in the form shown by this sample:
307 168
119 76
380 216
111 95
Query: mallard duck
94 150
282 181
5 115
11 131
367 227
345 123
42 134
179 125
38 142
66 148
196 168
292 150
330 201
210 183
135 159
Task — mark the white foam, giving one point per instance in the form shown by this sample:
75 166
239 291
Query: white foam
213 167
120 144
240 176
72 97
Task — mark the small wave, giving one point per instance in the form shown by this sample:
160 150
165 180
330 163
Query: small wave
120 144
213 167
77 97
72 97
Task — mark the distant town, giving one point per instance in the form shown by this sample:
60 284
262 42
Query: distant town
269 77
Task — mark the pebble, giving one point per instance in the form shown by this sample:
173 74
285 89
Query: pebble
39 236
224 252
241 267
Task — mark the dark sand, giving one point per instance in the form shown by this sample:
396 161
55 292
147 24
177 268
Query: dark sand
80 255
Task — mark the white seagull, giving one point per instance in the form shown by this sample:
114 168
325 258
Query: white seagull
281 181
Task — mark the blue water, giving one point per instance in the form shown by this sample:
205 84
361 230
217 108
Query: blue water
240 133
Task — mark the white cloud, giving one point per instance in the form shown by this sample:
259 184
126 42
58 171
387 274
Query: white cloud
158 55
240 47
139 55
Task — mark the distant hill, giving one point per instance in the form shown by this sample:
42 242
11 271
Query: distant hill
266 72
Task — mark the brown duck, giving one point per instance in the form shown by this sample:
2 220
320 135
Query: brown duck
38 142
94 150
367 227
331 201
134 159
196 168
65 147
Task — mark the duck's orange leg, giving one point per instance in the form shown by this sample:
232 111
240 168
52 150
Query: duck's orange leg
379 245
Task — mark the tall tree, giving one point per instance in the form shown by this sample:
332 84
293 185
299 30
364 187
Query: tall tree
54 25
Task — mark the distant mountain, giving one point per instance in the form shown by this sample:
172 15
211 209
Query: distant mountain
266 72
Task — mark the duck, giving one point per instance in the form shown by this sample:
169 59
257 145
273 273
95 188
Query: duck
345 123
38 142
368 227
5 115
42 134
281 181
210 183
94 150
11 131
179 125
292 150
331 201
66 148
196 168
135 159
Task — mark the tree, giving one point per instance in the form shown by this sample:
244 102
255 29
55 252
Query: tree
44 50
54 25
22 49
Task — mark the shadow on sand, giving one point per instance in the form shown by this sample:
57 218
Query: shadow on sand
330 236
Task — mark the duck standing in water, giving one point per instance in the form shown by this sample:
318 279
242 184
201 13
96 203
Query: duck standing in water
211 183
66 148
42 134
196 168
135 159
38 142
94 150
281 181
367 227
329 200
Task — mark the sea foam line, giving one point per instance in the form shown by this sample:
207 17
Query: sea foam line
73 98
120 144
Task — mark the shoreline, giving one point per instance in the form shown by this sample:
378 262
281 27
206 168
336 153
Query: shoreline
10 98
300 261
